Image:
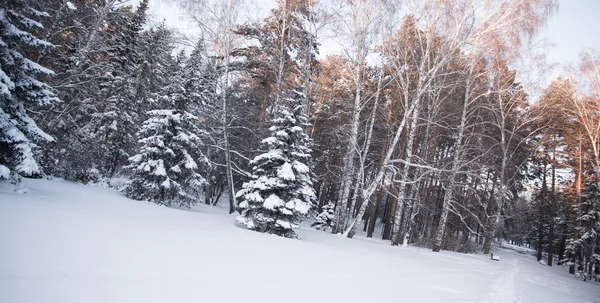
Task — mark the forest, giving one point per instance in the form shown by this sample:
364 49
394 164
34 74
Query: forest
420 131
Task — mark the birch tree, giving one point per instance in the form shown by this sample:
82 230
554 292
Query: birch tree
217 19
464 25
358 21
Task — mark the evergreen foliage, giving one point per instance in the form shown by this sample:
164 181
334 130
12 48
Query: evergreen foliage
170 164
20 86
167 168
325 218
584 248
280 193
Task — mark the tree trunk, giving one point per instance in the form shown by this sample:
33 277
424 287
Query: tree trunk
389 218
225 128
348 169
439 233
366 194
552 207
405 178
373 215
456 159
541 215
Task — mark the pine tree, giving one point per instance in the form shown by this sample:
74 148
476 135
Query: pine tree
281 191
325 218
166 169
20 86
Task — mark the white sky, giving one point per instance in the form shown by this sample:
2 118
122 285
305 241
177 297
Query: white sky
572 29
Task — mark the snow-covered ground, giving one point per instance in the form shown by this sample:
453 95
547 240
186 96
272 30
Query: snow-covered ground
64 242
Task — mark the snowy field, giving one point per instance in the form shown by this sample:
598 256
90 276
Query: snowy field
64 242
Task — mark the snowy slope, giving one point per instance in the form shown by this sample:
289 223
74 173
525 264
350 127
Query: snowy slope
64 242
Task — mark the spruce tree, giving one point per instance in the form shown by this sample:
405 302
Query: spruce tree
325 218
198 79
20 86
83 33
122 109
170 163
281 192
167 167
584 250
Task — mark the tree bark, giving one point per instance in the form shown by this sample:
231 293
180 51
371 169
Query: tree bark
541 215
225 128
389 218
373 215
402 188
552 209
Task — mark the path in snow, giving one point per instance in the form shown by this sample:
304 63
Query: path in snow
69 243
522 279
504 289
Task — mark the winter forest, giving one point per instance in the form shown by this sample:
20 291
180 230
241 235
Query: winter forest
424 130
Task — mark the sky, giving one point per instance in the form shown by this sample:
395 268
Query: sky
571 30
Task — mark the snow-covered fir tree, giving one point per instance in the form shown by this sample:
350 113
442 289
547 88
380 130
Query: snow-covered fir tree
281 192
122 109
324 220
167 168
170 165
20 87
584 250
199 78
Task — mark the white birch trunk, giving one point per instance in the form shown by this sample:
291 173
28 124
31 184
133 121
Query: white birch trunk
396 236
351 230
224 105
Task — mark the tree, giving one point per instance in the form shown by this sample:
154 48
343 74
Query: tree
118 117
325 218
281 191
20 86
166 168
585 249
358 23
83 33
583 244
216 19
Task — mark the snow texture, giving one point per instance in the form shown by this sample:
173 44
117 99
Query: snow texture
4 172
71 6
69 243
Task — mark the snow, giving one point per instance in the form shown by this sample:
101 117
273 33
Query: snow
285 224
252 196
273 202
69 243
272 154
282 134
4 172
71 6
298 205
301 167
160 167
286 172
